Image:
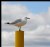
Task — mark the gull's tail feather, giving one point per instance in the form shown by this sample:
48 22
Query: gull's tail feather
7 23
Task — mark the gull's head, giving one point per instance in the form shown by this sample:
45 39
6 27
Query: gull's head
27 18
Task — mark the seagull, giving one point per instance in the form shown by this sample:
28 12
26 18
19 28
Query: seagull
19 22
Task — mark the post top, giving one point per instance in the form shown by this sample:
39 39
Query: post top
19 31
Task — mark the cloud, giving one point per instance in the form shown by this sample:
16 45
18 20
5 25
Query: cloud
7 38
49 10
40 32
13 11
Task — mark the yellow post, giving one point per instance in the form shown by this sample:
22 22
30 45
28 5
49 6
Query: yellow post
19 39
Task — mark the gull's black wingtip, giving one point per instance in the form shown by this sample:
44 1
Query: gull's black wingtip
7 23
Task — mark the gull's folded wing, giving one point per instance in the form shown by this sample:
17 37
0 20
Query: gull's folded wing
16 21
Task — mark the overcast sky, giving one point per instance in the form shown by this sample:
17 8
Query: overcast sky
37 29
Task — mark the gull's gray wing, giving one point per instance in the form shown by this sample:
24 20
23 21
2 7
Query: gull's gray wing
16 21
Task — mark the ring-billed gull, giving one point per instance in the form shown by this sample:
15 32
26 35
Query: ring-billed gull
19 22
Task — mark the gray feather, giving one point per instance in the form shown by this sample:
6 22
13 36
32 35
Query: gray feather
16 21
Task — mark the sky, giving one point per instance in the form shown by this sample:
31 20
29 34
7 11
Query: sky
37 29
